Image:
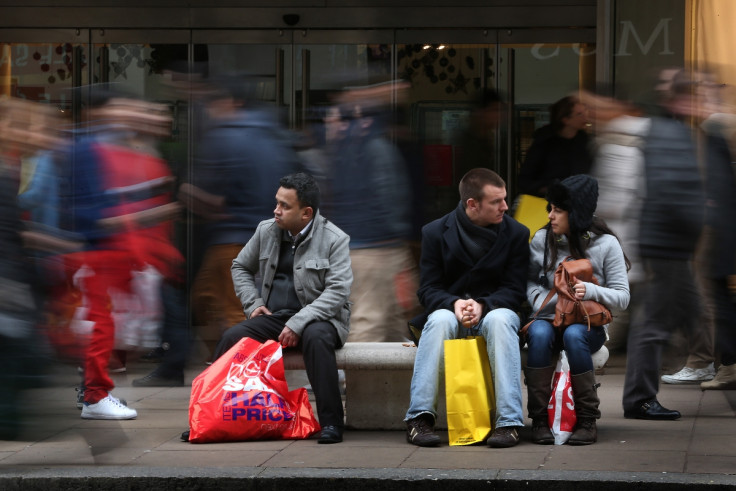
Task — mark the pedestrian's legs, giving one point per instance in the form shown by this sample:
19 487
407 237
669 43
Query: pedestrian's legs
318 343
377 314
500 328
112 270
725 314
429 363
700 329
667 293
214 303
175 330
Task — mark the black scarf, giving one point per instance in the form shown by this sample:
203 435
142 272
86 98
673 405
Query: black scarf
476 241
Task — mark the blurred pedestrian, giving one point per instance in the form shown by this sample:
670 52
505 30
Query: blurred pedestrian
22 359
364 162
238 159
720 128
118 196
476 142
559 150
671 221
618 166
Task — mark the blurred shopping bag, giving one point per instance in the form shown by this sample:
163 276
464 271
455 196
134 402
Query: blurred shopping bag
137 313
243 396
469 390
531 211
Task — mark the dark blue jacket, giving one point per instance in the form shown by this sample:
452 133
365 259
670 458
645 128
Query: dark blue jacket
243 159
672 213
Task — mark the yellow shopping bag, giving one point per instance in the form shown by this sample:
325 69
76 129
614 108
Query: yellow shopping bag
531 211
469 390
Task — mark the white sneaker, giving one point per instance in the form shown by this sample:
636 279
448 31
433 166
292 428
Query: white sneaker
691 375
108 408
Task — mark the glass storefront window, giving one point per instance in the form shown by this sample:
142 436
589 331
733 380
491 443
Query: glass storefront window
42 72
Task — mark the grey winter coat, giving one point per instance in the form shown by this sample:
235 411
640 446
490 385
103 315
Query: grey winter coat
322 274
609 268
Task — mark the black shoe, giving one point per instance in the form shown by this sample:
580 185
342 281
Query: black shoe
330 434
503 437
185 436
154 379
154 356
652 410
420 431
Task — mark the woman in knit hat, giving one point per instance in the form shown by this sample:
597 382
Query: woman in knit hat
573 230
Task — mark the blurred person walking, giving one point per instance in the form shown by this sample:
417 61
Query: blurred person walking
22 356
720 129
239 158
671 221
363 162
118 197
559 150
618 166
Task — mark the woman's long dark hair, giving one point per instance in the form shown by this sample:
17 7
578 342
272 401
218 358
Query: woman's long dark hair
578 243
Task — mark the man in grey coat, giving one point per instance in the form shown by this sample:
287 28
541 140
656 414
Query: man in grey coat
304 263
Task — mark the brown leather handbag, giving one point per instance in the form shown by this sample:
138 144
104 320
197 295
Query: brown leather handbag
568 309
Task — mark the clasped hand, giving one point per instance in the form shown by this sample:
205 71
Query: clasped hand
468 312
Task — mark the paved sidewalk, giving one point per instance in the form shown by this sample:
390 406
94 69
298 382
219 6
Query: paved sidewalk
59 450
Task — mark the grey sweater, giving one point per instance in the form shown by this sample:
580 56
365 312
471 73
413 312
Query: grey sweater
609 267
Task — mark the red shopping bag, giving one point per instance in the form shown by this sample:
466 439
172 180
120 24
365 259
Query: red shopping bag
561 409
243 396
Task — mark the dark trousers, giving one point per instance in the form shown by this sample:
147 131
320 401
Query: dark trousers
725 319
667 299
175 330
318 343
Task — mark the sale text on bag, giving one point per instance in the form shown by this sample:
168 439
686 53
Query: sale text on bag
254 406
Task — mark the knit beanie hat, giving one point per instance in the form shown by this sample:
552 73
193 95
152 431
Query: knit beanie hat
578 195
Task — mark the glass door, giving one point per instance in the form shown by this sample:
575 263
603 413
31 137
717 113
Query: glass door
264 58
43 65
537 68
328 62
453 107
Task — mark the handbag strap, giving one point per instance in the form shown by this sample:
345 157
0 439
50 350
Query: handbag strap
534 317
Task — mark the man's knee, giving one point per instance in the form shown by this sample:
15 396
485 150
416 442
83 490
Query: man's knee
441 323
320 334
501 322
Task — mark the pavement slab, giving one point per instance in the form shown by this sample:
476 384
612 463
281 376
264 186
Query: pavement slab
57 450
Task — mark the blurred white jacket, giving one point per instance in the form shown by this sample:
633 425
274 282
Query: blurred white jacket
619 167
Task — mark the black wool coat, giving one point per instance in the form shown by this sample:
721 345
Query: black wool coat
447 273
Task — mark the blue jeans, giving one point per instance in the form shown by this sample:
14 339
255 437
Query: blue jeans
544 342
500 329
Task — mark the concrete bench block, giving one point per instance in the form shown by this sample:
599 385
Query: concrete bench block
377 380
377 383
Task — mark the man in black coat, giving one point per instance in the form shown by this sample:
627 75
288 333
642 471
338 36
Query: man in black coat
473 275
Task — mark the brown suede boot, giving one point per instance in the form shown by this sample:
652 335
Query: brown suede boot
539 389
725 379
586 408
